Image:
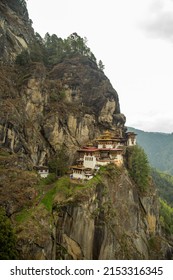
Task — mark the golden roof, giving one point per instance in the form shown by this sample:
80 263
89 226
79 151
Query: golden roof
89 144
107 135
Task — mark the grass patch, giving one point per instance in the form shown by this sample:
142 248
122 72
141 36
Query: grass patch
23 215
63 186
66 187
48 199
94 181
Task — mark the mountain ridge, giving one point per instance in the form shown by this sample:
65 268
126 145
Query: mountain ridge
158 147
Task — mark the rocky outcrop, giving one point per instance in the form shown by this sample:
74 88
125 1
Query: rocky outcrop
15 29
106 218
108 221
67 104
71 104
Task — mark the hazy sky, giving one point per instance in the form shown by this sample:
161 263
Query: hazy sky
133 38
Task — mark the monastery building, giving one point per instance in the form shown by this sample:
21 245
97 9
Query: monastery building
104 150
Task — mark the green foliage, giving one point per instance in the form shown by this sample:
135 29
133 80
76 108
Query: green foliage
52 50
23 215
58 164
74 44
62 186
48 199
51 178
164 184
166 217
100 65
65 186
7 238
23 58
158 147
111 170
57 49
138 166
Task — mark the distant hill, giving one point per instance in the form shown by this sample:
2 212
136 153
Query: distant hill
164 184
158 147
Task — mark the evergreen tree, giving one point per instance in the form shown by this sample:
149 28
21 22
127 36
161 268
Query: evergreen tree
57 49
166 217
37 50
138 166
59 162
23 58
100 65
7 238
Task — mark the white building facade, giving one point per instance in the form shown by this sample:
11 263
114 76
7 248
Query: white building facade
108 149
43 171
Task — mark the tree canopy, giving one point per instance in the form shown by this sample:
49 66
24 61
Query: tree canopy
7 238
58 164
53 49
138 166
166 217
158 147
164 184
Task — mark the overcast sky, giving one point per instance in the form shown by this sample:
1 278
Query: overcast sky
133 38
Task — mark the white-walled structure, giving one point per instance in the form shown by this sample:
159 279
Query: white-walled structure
89 161
82 173
107 149
131 139
43 171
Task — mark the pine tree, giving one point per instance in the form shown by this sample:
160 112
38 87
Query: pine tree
7 238
59 162
100 65
138 166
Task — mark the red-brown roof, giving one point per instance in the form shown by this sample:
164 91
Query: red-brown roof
88 149
109 149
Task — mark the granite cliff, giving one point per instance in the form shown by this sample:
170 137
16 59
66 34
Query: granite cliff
43 108
67 103
15 29
105 218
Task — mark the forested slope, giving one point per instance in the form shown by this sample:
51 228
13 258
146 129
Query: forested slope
158 147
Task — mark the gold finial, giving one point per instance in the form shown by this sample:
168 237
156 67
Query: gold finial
107 134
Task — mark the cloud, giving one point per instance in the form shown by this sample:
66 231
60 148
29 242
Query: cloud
161 26
153 123
159 21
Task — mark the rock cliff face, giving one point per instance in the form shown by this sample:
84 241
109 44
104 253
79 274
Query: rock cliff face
71 104
109 221
16 33
41 109
106 218
68 104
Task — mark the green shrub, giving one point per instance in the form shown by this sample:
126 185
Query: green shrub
51 178
166 217
7 238
48 199
138 166
23 58
58 164
164 184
